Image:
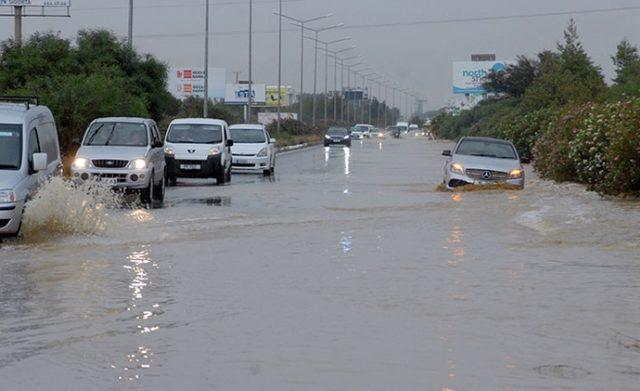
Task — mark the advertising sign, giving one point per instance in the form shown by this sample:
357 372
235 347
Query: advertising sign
356 94
468 76
267 118
189 81
35 3
272 96
238 94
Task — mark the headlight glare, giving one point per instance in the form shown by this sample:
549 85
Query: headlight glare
169 151
515 174
7 196
214 151
80 163
139 164
457 168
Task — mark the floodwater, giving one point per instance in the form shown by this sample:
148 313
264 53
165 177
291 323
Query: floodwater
348 271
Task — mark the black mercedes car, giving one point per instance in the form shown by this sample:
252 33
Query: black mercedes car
337 136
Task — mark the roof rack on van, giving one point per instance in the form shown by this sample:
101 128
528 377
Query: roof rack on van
27 100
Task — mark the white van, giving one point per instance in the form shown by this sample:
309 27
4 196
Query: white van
29 155
198 148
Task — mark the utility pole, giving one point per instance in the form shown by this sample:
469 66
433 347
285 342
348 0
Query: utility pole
18 25
21 10
279 64
130 40
205 106
250 100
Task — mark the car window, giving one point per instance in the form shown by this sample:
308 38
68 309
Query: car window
195 134
34 144
248 136
337 132
120 134
10 146
155 133
484 148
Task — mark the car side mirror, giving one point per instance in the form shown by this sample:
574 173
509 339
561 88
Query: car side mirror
525 160
39 161
446 152
157 144
272 141
229 143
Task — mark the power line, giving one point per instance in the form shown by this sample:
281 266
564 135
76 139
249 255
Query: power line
181 5
411 23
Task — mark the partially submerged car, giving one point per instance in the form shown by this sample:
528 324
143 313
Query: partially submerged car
337 136
125 153
482 161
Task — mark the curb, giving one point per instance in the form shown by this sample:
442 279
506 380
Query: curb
297 147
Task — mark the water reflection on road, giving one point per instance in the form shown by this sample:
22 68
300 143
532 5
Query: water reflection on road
348 270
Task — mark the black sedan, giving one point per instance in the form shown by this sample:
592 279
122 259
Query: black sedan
337 136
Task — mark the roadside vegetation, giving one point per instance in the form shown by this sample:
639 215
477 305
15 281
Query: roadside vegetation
558 110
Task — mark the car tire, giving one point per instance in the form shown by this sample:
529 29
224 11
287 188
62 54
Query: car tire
157 200
228 178
146 194
171 181
220 177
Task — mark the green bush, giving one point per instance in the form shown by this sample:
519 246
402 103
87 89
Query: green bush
524 130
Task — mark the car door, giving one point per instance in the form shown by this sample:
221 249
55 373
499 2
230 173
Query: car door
157 153
271 147
35 178
227 150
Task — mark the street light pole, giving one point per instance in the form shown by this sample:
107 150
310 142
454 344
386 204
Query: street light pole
279 64
250 100
130 39
205 106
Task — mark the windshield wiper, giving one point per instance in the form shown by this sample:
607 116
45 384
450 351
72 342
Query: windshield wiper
482 155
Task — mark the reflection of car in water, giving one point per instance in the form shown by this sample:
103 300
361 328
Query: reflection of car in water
337 136
481 161
125 153
29 154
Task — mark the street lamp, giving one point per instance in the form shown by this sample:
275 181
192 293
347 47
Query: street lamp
349 66
315 67
301 23
342 89
249 103
326 71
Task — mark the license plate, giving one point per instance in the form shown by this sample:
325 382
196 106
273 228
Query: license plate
241 161
109 181
189 166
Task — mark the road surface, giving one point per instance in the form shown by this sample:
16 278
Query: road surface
348 271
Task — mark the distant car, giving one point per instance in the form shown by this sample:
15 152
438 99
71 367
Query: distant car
404 127
337 136
363 130
395 131
414 128
29 154
482 160
357 133
198 148
126 153
253 149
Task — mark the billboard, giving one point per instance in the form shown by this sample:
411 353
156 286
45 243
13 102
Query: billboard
272 96
238 94
267 118
36 3
468 76
356 94
184 82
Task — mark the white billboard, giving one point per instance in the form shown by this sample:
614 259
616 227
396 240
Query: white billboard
238 94
184 82
35 3
468 76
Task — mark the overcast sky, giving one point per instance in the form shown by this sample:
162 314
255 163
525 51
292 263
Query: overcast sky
417 56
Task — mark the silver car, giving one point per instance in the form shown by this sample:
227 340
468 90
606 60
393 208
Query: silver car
481 161
126 153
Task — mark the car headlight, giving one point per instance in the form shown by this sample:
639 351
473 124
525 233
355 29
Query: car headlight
263 152
80 163
7 196
457 168
169 151
214 151
327 137
346 137
516 174
138 164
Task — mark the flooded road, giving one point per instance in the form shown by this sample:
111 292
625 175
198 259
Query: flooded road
347 271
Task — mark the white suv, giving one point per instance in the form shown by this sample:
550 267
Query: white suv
125 153
253 149
198 148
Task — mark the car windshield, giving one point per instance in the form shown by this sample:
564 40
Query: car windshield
494 149
195 134
337 132
361 128
10 146
248 136
394 129
117 134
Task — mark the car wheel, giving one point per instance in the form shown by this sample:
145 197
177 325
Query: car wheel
171 181
146 194
228 178
220 177
157 200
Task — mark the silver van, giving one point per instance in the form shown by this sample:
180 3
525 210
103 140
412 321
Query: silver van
29 155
